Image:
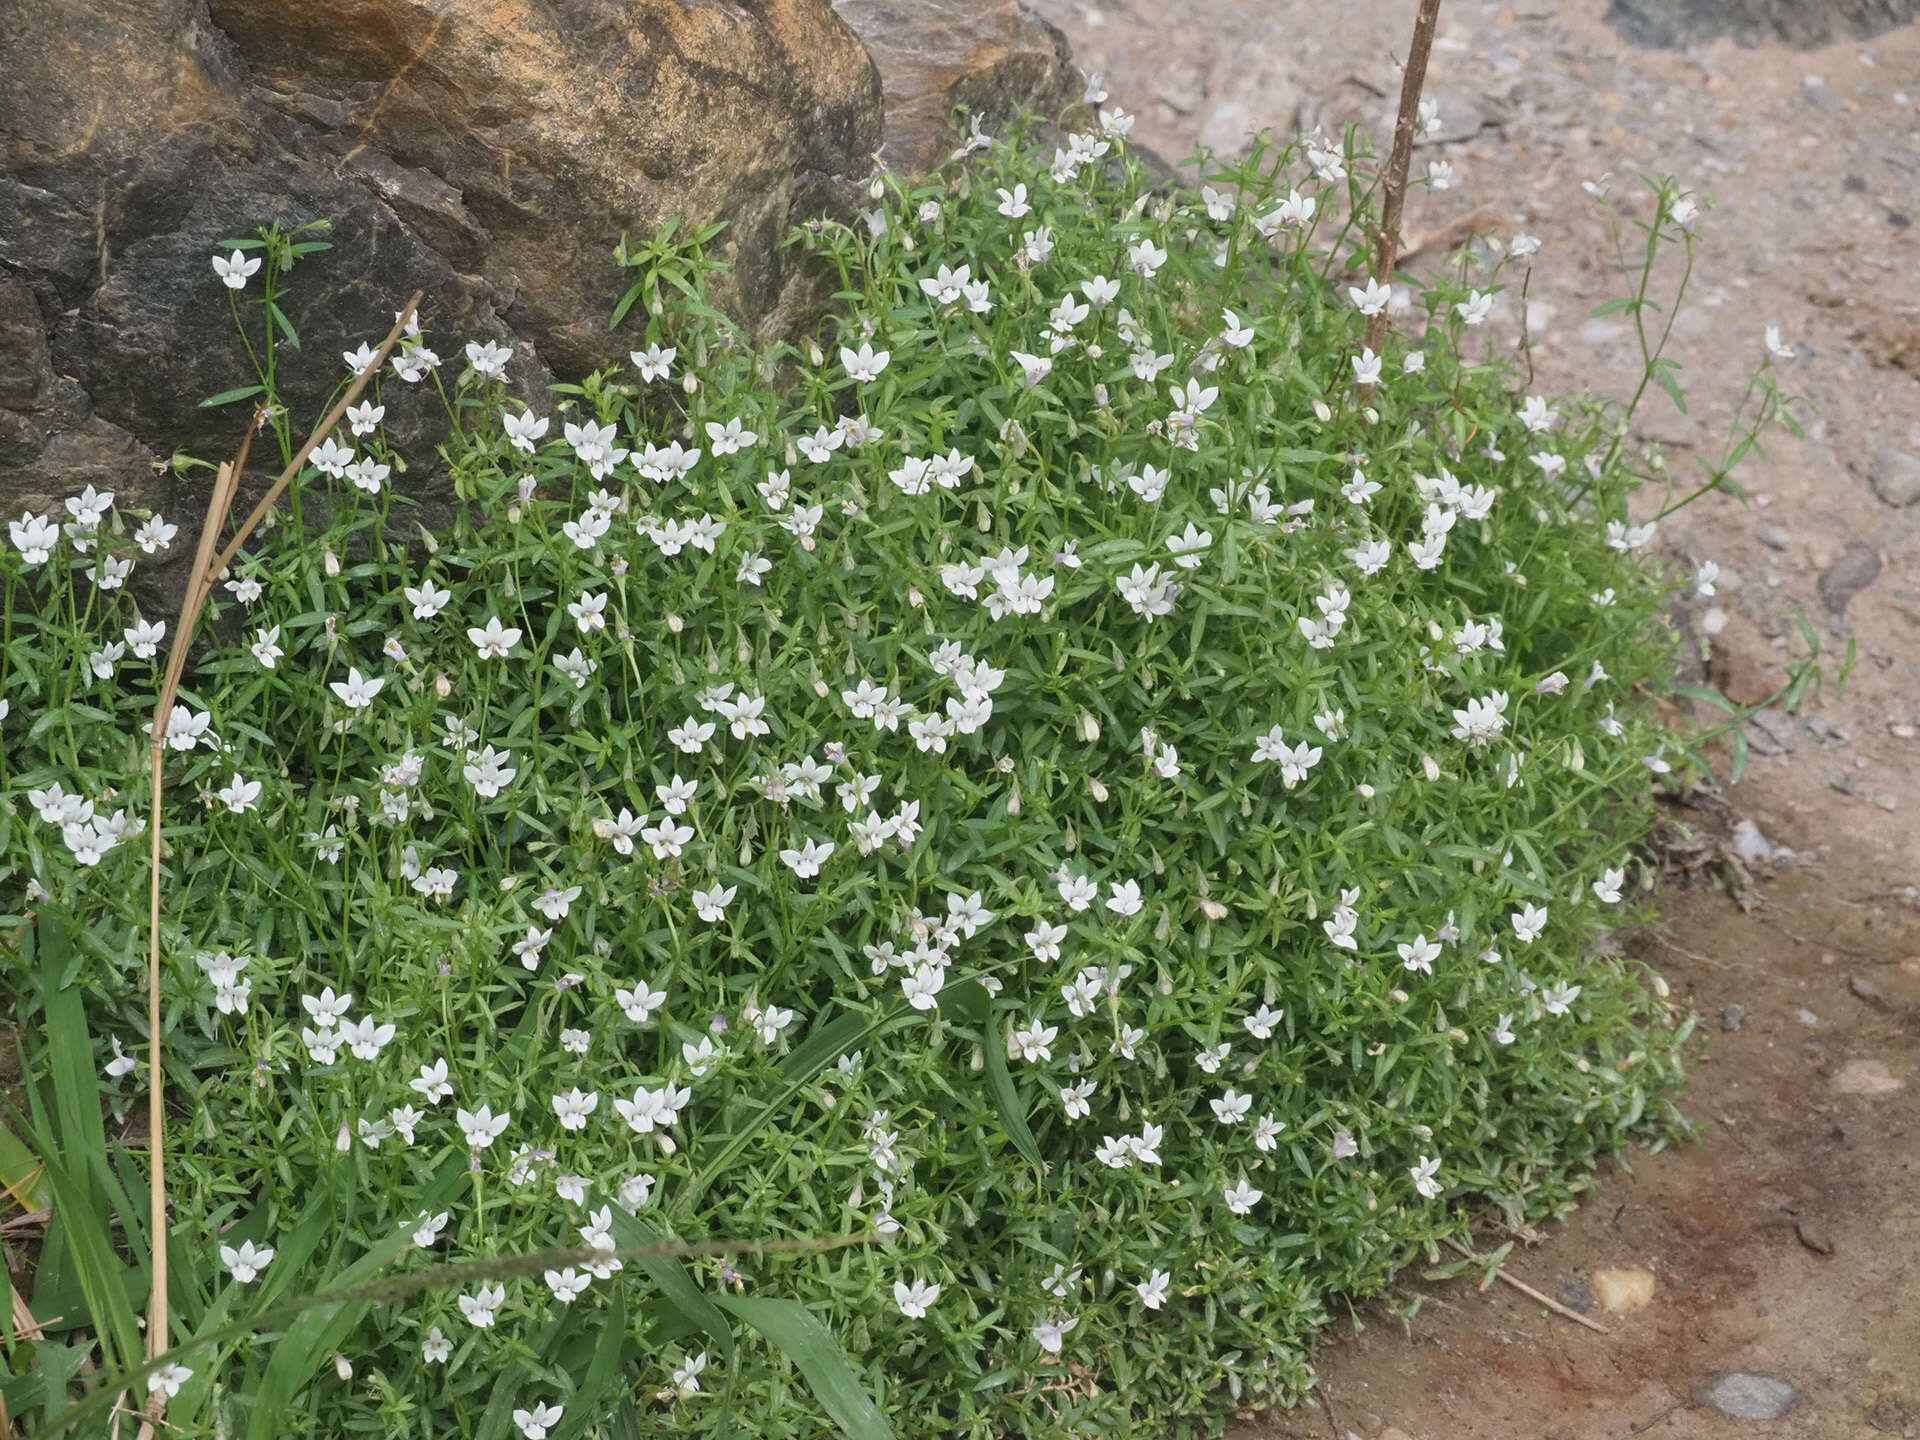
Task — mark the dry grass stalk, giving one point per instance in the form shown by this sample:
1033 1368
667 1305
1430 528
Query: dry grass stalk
207 569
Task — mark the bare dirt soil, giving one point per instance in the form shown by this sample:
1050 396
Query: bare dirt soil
1784 1242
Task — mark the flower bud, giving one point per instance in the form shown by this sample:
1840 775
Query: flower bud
1096 789
343 1367
1089 727
330 562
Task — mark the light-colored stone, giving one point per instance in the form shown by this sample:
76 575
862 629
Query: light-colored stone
1748 1397
1866 1077
1621 1290
1895 476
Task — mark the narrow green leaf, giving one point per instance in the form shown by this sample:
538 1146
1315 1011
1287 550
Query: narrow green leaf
227 397
798 1335
311 1340
676 1285
970 999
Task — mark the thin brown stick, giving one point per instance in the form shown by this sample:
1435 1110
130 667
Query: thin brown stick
207 569
320 432
1386 243
1533 1294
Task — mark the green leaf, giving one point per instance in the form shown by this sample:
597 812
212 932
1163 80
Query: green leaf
1707 695
583 1407
970 999
798 1335
286 325
310 1341
227 397
675 1284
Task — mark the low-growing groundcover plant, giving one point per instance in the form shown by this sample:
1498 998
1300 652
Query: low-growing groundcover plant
1083 777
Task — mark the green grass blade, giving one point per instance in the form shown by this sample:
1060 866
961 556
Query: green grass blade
311 1339
797 1334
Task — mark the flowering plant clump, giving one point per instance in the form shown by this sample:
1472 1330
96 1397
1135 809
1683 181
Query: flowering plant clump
1083 776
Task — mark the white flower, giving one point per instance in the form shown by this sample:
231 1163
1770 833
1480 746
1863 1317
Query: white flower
489 358
865 364
240 795
480 1308
1528 923
356 692
654 362
1559 997
1775 348
493 640
1419 955
1153 1290
1607 888
1366 368
1124 898
435 1348
914 1299
728 438
1033 367
1241 1197
1475 308
686 1377
481 1127
805 862
34 536
249 1260
573 1108
1372 300
1049 1333
235 270
1424 1175
535 1423
1704 578
1260 1024
169 1377
1231 1107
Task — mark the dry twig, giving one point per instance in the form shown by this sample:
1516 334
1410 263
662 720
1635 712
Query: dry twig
1532 1294
1386 243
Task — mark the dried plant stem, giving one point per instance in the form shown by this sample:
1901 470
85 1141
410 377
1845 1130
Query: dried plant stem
207 569
1386 242
1532 1294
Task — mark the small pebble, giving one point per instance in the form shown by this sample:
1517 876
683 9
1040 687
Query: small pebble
1775 538
1813 1235
1866 1077
1806 1017
1866 990
1731 1017
1620 1290
1748 1397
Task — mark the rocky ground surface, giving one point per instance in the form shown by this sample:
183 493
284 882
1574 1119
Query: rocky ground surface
1764 1279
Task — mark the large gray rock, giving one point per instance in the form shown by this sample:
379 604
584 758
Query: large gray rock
1676 24
936 57
487 152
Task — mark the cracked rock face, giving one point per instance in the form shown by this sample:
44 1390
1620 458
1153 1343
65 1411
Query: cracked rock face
487 152
1677 24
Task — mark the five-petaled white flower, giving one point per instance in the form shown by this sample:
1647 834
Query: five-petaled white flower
914 1299
356 692
493 640
236 269
247 1262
